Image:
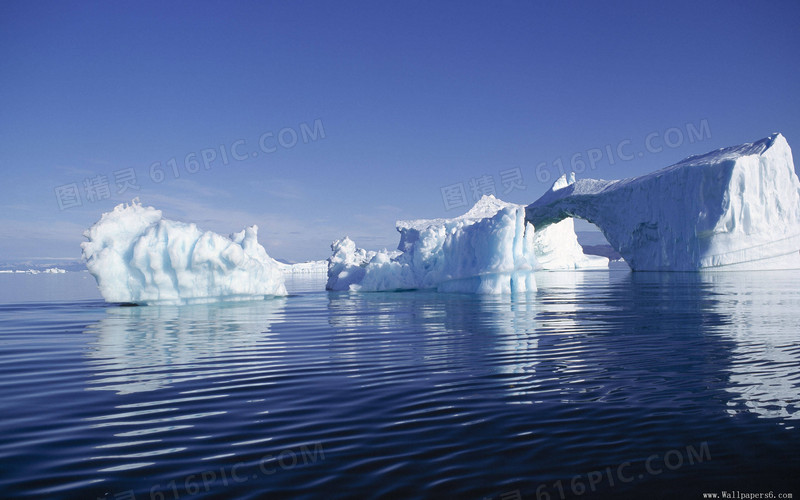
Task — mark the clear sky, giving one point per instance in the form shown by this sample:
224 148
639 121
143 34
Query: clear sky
337 118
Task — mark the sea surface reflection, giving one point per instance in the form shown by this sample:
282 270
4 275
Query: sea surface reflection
413 394
146 348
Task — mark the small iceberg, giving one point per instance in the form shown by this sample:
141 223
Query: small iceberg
139 257
487 250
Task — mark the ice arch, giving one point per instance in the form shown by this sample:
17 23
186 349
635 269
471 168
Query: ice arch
735 208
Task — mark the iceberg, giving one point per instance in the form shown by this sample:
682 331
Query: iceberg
490 249
487 250
737 208
139 257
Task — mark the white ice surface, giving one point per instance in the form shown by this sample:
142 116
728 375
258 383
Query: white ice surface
736 208
557 247
139 257
489 249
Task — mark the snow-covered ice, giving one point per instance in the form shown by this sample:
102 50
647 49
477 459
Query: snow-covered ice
487 250
556 245
737 208
490 249
139 257
557 248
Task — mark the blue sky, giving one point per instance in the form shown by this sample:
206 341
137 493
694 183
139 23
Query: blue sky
367 110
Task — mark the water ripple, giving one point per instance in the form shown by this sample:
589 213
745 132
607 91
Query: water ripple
406 395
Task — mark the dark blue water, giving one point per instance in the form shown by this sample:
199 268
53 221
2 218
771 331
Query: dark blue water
599 385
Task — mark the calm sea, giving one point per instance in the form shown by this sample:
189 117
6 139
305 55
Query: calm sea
600 385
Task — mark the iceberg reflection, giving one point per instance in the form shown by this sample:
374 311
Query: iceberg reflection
141 349
439 332
627 339
765 359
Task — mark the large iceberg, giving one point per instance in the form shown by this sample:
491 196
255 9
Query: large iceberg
487 250
737 208
139 257
490 249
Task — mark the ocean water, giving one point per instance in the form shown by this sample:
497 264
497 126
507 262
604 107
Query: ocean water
600 385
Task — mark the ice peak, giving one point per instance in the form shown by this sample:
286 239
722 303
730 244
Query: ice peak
563 181
487 206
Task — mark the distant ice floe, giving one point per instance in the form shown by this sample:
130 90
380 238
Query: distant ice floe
310 267
139 257
49 270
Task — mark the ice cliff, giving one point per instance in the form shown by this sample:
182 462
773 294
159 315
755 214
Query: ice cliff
735 208
139 257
